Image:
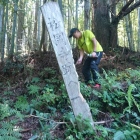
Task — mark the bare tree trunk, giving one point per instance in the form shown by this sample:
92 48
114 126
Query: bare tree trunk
30 28
20 30
1 21
35 24
43 43
138 29
102 23
61 7
129 30
76 14
5 18
13 29
69 16
86 14
39 24
8 28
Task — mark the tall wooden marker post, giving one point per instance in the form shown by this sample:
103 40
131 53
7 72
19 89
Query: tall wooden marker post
63 51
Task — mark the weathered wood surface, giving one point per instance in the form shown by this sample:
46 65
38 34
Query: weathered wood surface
63 51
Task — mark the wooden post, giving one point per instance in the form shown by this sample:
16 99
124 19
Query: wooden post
63 51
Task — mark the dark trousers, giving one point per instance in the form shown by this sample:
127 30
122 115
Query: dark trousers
91 67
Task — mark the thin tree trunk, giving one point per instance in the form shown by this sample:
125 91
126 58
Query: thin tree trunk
35 25
129 30
20 30
61 7
86 14
4 32
42 36
76 14
39 23
8 41
69 17
138 29
1 21
30 28
42 41
13 29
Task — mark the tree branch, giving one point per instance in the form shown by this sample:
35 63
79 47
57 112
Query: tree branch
124 8
125 11
131 8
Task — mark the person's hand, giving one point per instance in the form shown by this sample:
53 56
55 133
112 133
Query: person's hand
79 61
94 54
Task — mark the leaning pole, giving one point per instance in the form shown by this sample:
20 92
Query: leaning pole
63 51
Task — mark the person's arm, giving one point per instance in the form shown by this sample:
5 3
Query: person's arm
94 44
79 61
94 47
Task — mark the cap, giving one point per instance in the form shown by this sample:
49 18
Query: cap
72 31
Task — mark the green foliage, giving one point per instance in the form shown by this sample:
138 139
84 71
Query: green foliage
9 131
33 89
12 68
48 95
7 111
129 97
35 80
8 92
131 134
21 103
47 100
72 131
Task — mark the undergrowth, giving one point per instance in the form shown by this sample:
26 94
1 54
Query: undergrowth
115 108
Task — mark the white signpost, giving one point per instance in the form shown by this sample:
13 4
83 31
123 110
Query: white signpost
63 51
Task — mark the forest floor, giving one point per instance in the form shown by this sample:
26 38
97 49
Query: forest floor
19 77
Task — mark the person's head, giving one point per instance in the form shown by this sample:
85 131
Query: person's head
75 33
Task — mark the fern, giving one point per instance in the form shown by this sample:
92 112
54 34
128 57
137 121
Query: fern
21 103
9 131
130 99
35 80
6 111
33 89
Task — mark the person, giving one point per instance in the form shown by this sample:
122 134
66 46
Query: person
87 44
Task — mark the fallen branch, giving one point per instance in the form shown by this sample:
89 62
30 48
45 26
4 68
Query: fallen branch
58 123
135 126
25 130
36 117
103 122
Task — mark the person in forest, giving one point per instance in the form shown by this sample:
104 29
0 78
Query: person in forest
87 44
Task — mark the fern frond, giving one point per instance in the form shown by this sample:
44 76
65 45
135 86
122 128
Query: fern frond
9 131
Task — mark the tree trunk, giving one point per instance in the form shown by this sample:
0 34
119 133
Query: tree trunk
76 14
20 30
13 29
39 23
35 44
129 30
86 14
102 23
5 17
42 36
43 41
61 7
138 29
1 21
